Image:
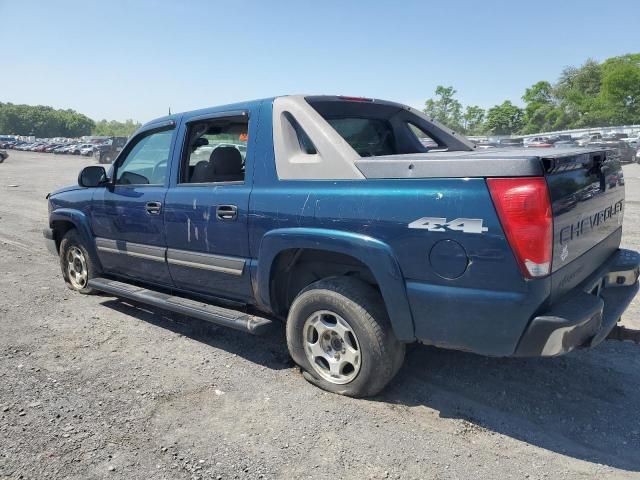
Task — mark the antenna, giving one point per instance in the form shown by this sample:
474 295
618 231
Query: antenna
169 110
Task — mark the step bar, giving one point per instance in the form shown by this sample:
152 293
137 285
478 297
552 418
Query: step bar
225 317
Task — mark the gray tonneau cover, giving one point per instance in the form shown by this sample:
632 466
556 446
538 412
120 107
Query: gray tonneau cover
499 162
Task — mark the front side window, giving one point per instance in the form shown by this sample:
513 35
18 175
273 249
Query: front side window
146 163
216 150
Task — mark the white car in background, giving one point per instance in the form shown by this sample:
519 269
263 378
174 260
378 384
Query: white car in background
86 150
528 140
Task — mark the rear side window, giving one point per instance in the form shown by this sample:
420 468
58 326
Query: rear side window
305 143
422 136
369 137
216 151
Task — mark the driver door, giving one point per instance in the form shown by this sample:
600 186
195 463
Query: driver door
128 215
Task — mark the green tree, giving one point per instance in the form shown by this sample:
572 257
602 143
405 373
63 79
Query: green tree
43 121
542 111
114 128
577 90
473 120
504 119
445 108
620 89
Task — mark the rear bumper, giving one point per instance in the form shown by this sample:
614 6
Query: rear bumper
50 241
587 314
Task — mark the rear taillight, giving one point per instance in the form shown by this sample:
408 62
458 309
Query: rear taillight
524 210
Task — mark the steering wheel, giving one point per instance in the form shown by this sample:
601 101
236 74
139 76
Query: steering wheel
157 170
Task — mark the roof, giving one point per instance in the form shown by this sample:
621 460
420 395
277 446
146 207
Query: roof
204 111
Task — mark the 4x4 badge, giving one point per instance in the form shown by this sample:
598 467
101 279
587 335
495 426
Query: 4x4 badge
433 224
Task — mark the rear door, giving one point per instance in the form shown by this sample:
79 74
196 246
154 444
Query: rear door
207 208
128 216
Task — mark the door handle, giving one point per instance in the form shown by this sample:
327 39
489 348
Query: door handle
153 208
226 212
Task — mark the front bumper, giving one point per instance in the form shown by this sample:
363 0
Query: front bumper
50 241
587 315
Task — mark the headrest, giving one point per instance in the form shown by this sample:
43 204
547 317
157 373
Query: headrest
226 161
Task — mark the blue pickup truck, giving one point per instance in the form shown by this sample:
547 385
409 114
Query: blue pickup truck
361 224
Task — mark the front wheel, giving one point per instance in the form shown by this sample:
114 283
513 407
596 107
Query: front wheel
338 332
76 263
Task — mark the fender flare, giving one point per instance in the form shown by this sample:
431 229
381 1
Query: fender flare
372 252
81 224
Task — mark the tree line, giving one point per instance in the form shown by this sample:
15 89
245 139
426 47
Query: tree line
47 122
592 95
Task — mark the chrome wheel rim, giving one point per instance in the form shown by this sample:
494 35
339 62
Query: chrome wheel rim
77 268
332 348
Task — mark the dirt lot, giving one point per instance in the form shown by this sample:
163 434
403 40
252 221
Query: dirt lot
91 387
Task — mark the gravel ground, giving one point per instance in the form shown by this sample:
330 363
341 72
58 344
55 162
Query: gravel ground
92 387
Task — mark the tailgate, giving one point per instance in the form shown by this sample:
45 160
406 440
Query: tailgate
587 197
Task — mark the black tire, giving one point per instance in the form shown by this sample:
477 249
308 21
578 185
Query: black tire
70 241
381 354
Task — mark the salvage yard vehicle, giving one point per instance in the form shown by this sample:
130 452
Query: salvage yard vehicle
108 150
340 222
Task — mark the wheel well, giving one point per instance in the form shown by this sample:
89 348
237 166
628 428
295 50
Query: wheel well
295 269
60 229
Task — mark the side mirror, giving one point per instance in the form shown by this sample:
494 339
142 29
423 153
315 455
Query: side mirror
92 176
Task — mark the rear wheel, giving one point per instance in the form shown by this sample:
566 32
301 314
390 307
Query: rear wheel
76 263
338 332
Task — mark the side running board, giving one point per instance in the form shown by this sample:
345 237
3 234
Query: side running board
204 311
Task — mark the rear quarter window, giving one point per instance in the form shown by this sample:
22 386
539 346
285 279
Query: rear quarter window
367 136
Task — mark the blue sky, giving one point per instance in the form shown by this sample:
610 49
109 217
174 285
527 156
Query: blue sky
119 59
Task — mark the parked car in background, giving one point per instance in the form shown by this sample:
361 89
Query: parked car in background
87 151
59 149
67 148
538 140
634 142
623 149
585 139
107 151
76 150
510 142
539 144
615 136
561 138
